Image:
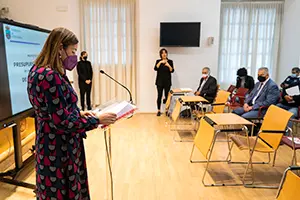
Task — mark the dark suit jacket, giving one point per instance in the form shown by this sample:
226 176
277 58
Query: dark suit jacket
291 81
269 95
163 77
209 90
85 72
249 82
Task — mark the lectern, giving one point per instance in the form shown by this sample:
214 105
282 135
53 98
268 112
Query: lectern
123 110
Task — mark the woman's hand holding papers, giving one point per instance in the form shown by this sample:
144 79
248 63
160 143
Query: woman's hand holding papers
107 118
87 114
104 118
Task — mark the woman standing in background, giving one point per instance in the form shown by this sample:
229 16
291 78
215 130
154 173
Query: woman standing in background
85 76
164 68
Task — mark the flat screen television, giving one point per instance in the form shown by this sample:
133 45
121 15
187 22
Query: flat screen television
180 34
19 46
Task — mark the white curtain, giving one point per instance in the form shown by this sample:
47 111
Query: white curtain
250 35
108 35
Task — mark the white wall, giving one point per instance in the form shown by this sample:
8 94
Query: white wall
43 13
188 61
290 39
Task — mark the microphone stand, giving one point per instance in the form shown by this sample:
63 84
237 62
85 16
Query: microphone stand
130 95
108 144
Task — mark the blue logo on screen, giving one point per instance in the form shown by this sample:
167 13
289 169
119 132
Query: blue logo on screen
7 32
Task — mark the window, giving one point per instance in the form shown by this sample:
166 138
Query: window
111 34
249 38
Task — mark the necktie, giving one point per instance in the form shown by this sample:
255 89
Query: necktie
203 83
257 93
260 85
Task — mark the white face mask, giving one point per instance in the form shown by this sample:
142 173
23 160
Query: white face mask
204 75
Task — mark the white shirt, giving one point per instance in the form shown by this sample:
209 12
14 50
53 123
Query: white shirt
203 83
260 89
243 81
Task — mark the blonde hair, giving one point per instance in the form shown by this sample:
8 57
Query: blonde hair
49 56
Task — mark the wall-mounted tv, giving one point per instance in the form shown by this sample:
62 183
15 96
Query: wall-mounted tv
20 44
180 34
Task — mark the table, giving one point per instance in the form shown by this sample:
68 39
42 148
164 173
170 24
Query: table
222 119
218 121
189 100
229 119
176 92
192 99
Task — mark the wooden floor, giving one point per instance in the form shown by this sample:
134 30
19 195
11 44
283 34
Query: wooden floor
148 165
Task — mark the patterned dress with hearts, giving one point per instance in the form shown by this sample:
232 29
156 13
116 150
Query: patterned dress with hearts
61 171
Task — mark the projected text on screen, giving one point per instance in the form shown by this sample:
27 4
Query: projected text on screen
22 46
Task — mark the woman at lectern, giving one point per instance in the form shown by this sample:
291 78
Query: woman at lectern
164 68
60 158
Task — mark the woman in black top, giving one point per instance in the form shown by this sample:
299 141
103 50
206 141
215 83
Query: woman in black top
164 68
243 80
85 76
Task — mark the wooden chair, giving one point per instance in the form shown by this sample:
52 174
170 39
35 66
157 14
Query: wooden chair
260 116
218 106
175 114
168 102
220 101
205 141
289 186
241 95
290 141
263 108
231 88
174 122
267 140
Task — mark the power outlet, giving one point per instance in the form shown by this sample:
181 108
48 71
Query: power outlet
4 11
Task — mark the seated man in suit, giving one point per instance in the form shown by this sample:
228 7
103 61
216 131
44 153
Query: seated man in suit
290 103
264 93
208 86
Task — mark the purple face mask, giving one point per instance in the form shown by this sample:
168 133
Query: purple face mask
70 62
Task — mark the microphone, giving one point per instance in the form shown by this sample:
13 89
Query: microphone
130 95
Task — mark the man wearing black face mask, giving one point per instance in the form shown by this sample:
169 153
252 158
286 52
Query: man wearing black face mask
85 76
264 93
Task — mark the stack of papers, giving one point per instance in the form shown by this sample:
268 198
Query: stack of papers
296 140
186 89
292 91
120 109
